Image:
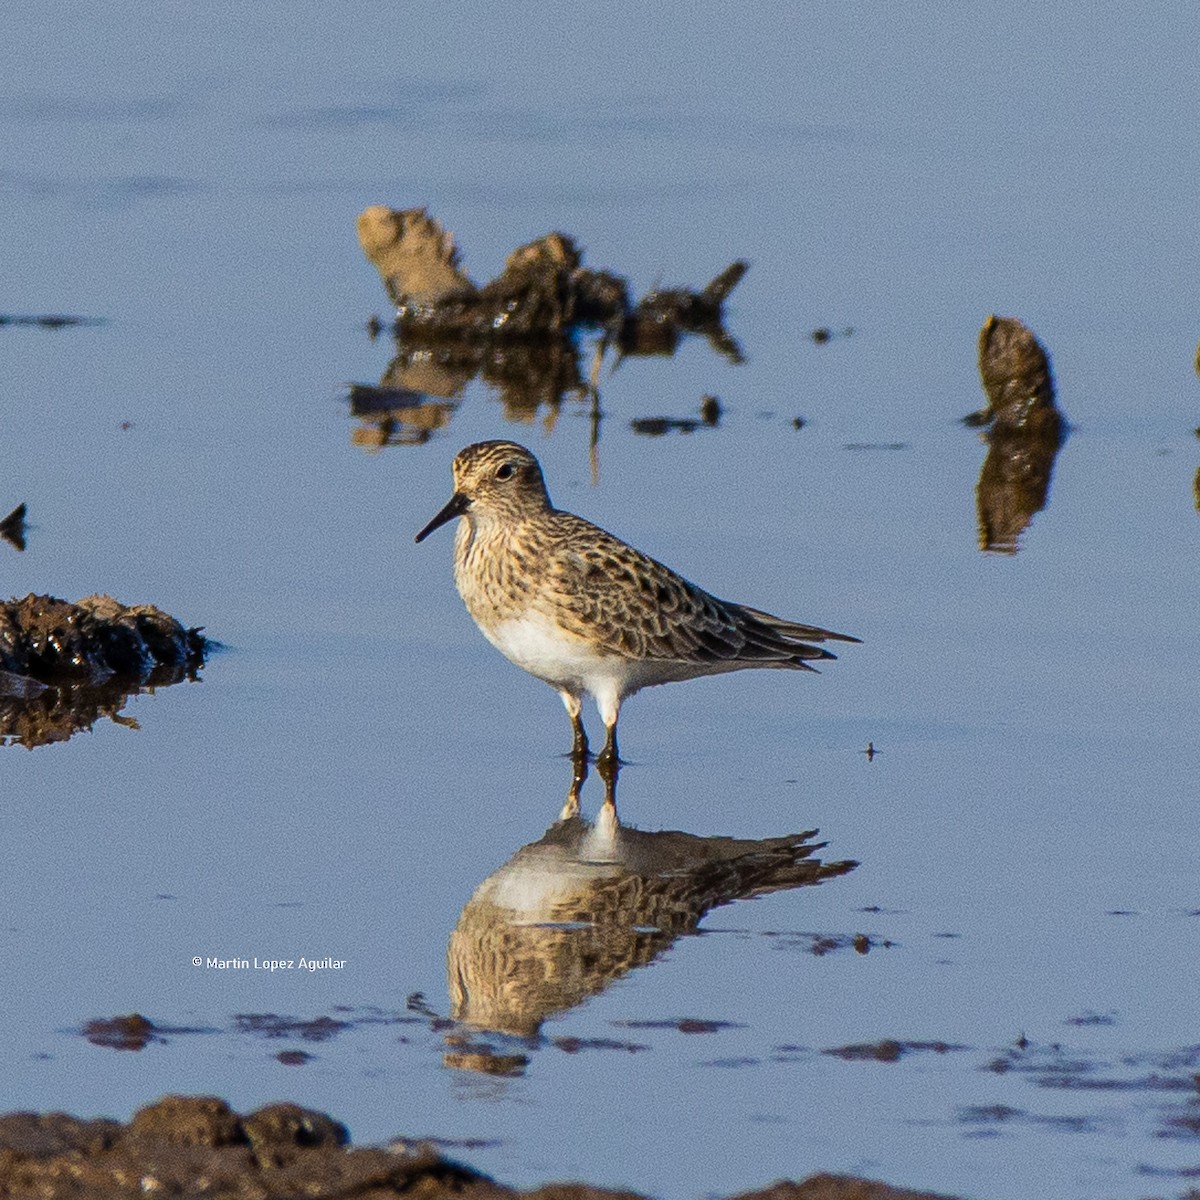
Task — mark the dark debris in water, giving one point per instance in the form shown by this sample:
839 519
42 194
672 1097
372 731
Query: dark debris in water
682 1024
519 333
49 640
1187 1126
573 1045
709 418
1093 1018
1169 1080
823 334
889 1050
12 528
1024 432
271 1025
65 665
133 1032
48 320
820 944
987 1114
985 1117
544 291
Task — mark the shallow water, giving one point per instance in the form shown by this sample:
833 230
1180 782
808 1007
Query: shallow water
357 760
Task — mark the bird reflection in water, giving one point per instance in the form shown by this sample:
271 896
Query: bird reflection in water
587 903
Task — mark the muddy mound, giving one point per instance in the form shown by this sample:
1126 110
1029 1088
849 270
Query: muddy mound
1024 431
198 1146
64 665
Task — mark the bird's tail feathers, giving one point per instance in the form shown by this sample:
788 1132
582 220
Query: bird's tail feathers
792 631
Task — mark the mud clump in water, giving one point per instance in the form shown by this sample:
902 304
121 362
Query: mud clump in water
1015 372
198 1146
64 665
543 291
519 333
133 1032
12 528
1025 431
51 640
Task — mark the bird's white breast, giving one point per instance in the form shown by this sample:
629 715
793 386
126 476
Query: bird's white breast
537 644
569 663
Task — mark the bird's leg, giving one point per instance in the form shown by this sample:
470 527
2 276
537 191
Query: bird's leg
609 760
579 742
610 709
608 810
579 773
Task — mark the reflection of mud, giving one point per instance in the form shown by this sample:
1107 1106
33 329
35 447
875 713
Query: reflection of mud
586 904
279 1151
423 385
136 1032
1025 432
396 416
1172 1074
271 1025
64 666
889 1050
709 418
51 321
518 333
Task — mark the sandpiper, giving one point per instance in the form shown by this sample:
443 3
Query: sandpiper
583 610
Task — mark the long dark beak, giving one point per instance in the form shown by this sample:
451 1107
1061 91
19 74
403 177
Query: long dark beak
457 506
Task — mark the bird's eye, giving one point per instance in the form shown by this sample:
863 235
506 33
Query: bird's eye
505 471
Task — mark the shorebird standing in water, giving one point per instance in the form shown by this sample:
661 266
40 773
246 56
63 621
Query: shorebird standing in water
583 610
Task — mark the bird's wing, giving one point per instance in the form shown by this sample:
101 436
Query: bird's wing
632 606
